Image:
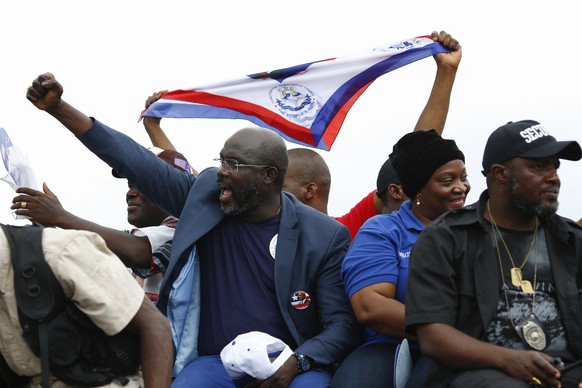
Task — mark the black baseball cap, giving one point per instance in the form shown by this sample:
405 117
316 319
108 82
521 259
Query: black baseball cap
526 139
386 177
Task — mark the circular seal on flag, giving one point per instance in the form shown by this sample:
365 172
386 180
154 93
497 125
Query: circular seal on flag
273 246
295 102
300 300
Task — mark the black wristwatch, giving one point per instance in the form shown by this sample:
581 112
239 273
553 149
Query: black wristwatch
303 362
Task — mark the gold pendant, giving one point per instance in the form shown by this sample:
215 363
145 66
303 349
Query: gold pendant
518 281
516 277
526 287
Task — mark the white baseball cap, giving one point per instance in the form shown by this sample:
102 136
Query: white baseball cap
251 354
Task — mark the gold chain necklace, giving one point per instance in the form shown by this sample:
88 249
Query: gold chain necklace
531 331
516 275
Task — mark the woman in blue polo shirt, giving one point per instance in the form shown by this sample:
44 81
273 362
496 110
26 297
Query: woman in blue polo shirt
432 172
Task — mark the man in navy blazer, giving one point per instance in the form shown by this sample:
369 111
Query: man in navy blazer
245 257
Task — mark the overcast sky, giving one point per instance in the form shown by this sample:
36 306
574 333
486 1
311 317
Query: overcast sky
520 61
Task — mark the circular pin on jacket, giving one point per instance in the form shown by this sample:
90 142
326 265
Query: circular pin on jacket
300 300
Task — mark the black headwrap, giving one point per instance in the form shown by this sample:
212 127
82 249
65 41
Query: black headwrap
418 155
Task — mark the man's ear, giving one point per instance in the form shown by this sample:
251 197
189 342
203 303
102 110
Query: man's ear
395 191
310 190
271 173
500 172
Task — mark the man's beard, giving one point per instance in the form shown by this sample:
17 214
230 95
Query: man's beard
244 199
531 208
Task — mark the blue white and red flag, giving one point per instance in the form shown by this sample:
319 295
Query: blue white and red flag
305 104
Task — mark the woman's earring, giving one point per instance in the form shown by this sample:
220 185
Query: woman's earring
418 200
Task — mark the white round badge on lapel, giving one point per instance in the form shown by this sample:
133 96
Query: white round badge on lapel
273 246
300 300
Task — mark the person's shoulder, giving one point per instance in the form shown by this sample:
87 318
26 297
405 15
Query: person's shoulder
559 224
305 212
147 230
208 170
65 250
464 216
57 239
208 173
384 221
570 222
206 179
310 216
57 234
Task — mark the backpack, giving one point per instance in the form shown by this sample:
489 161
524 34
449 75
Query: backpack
69 344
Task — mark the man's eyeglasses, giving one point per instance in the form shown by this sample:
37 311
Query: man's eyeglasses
232 165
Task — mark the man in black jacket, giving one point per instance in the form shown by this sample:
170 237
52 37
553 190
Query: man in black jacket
494 291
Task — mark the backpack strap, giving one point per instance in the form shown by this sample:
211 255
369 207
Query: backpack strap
35 286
